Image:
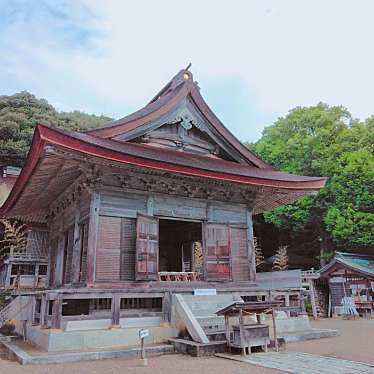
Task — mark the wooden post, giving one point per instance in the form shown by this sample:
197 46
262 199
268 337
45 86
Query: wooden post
287 303
43 311
251 248
36 279
275 331
312 298
57 312
227 332
166 306
116 311
59 276
93 228
241 323
76 248
33 308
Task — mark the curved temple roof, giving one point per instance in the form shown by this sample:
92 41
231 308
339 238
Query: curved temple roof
362 263
99 143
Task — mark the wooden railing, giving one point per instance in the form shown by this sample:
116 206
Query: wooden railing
178 276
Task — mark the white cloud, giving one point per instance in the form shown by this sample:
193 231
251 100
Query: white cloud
288 53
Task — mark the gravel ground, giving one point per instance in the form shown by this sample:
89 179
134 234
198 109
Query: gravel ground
356 342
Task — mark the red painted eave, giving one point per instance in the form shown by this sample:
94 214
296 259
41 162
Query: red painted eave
45 135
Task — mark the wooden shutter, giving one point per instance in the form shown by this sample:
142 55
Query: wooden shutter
146 267
239 253
217 251
128 248
108 249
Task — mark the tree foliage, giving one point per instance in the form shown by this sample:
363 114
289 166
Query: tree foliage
20 113
325 141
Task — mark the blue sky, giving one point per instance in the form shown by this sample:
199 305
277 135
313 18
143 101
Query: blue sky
254 60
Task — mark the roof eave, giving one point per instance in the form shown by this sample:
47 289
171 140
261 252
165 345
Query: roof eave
44 134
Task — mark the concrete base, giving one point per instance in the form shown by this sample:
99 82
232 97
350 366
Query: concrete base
57 340
198 349
20 355
299 336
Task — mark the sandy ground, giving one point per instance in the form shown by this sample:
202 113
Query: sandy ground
356 342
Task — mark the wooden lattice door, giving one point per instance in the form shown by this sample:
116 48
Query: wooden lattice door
146 265
217 251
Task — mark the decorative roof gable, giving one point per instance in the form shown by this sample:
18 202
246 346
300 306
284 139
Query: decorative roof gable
181 103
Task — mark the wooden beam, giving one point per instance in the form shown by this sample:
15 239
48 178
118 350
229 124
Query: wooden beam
76 248
93 227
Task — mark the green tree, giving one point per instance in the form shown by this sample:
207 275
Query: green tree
325 141
19 113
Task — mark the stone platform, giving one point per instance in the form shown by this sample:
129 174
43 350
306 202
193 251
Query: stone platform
27 354
303 363
51 340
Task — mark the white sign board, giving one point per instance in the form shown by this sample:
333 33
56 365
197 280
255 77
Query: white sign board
143 333
205 292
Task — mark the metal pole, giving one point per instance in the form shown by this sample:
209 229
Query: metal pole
143 356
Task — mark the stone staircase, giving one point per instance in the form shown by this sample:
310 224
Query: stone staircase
20 308
201 314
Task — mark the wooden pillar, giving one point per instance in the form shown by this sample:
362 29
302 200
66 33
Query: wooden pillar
76 248
312 298
36 275
166 307
241 332
49 267
251 248
93 228
274 330
116 311
43 311
59 276
287 302
227 332
57 313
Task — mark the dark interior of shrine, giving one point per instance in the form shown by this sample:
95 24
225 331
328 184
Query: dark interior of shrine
178 243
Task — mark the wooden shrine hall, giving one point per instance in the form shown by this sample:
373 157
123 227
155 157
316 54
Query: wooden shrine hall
155 203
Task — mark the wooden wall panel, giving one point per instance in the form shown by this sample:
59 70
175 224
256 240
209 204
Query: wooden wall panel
116 204
108 249
227 213
179 207
128 248
239 254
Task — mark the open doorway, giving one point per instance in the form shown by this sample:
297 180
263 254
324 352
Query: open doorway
180 245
